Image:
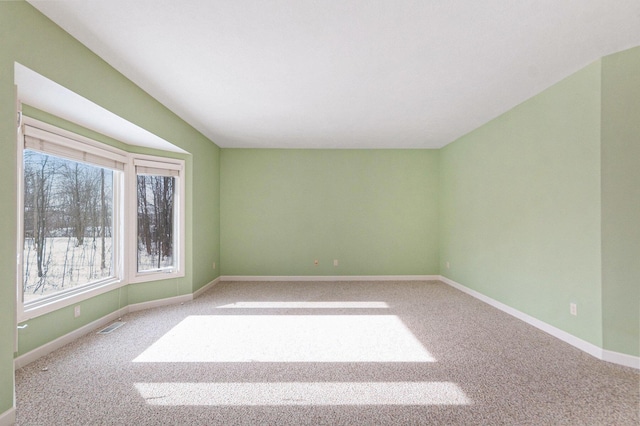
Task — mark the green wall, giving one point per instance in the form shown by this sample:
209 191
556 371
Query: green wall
373 210
539 207
520 207
7 228
34 41
206 218
621 201
62 321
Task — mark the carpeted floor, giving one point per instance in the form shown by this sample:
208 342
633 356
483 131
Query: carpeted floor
325 353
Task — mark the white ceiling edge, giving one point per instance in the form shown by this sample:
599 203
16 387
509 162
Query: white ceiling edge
42 93
353 74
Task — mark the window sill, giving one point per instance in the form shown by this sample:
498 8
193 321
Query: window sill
37 308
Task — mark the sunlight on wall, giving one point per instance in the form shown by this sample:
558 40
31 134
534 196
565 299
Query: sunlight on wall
270 394
288 338
307 305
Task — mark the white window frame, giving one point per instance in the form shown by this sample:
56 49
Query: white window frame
62 142
175 168
68 144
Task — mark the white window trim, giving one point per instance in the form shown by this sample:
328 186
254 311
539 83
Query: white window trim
156 164
75 295
125 235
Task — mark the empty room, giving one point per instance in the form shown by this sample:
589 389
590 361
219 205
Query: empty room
302 212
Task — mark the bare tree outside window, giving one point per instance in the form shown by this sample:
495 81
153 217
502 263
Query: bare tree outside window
77 201
68 224
155 222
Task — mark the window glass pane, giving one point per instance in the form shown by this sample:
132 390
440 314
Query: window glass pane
68 224
155 222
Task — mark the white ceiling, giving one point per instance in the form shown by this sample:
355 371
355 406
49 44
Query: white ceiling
346 73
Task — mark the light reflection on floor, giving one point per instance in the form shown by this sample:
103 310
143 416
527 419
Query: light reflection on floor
316 394
288 338
307 305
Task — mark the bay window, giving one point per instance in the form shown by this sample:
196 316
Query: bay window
78 199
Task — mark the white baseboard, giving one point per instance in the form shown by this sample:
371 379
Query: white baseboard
622 359
590 348
51 346
606 355
159 302
330 278
8 418
172 300
199 292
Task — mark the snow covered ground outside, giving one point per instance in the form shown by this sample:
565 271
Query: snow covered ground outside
67 266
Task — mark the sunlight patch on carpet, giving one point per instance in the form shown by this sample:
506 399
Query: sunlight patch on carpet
288 338
314 394
306 305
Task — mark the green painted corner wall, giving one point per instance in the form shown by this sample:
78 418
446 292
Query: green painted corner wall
375 211
621 201
206 219
7 235
520 207
32 40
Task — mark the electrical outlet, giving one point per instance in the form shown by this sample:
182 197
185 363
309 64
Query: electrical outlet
573 309
214 265
448 265
335 262
76 311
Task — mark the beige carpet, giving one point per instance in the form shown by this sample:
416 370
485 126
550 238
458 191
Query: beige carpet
325 353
